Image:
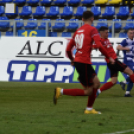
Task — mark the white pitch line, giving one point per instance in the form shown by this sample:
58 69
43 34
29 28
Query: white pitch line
121 132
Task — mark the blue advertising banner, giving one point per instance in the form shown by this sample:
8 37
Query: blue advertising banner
32 33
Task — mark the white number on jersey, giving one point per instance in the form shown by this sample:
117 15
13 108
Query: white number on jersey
79 40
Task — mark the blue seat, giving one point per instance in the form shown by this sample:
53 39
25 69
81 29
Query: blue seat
132 14
19 23
109 11
123 35
109 35
26 11
59 25
4 24
5 1
123 11
117 25
129 24
31 24
19 1
43 24
73 2
100 23
67 12
9 33
59 2
13 14
46 2
73 25
53 34
87 2
32 2
2 10
80 11
66 34
96 11
40 11
53 12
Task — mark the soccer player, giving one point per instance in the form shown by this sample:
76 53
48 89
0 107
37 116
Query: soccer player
83 39
113 68
127 46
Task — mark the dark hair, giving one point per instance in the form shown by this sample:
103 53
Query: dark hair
103 28
87 15
130 29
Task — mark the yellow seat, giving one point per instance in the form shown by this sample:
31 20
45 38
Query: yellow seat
101 1
131 2
115 1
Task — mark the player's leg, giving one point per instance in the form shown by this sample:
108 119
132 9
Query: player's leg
129 72
129 88
85 71
91 98
107 85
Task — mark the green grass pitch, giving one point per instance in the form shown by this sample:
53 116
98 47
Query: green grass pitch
27 108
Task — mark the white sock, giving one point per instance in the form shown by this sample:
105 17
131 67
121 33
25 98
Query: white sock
124 81
61 91
99 91
127 92
89 108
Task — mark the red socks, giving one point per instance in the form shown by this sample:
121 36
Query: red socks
74 92
91 99
106 86
132 78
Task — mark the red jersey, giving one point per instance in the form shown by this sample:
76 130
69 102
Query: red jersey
108 46
83 40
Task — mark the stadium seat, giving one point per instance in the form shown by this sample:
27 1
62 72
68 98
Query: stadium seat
53 34
43 24
87 2
5 1
109 35
117 25
60 2
31 24
102 22
109 11
19 2
26 11
101 1
80 11
123 35
73 2
123 11
67 12
115 1
96 11
19 24
13 14
53 12
9 33
32 2
66 34
2 10
73 25
46 2
4 25
132 14
129 24
40 11
59 25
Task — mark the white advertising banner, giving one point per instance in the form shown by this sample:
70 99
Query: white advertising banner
41 59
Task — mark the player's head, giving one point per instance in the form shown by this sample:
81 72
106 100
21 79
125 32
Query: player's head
130 33
103 32
88 17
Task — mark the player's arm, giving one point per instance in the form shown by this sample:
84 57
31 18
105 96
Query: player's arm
69 50
123 46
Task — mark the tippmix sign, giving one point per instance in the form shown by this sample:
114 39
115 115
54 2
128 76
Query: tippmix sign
41 59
